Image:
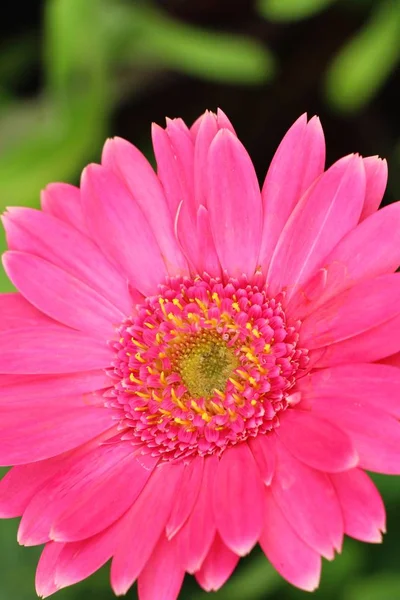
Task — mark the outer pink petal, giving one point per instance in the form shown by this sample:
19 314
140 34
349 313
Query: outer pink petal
17 312
354 311
369 384
78 560
43 235
64 202
19 390
61 296
138 540
375 433
207 131
207 258
45 581
372 345
309 503
217 567
93 507
89 480
51 350
176 180
147 193
263 448
119 226
234 204
162 576
21 483
362 507
291 557
298 161
316 442
377 173
196 536
238 499
222 121
329 210
369 250
186 497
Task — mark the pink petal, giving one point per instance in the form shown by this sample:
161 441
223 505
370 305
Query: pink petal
162 576
207 131
78 560
298 161
23 390
94 507
120 228
21 483
316 442
309 503
239 499
64 202
369 250
186 497
291 557
217 567
177 182
87 481
362 507
263 448
318 222
147 193
45 582
375 433
70 301
234 204
51 350
43 235
137 540
377 173
353 312
70 427
196 536
372 345
17 312
207 259
373 385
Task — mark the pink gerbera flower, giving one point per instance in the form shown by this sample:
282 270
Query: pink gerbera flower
191 366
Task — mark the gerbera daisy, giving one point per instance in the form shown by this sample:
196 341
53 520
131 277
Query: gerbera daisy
192 366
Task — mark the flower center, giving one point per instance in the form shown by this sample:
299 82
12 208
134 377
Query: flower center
203 365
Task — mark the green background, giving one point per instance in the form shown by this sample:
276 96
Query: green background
73 72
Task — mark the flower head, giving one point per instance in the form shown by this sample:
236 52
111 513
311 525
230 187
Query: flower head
192 366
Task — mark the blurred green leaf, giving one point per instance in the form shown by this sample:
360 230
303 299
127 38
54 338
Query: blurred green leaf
364 64
154 37
380 586
291 10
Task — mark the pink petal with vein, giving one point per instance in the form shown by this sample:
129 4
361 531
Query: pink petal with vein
323 216
377 173
239 499
298 161
362 507
317 442
291 557
217 567
63 201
